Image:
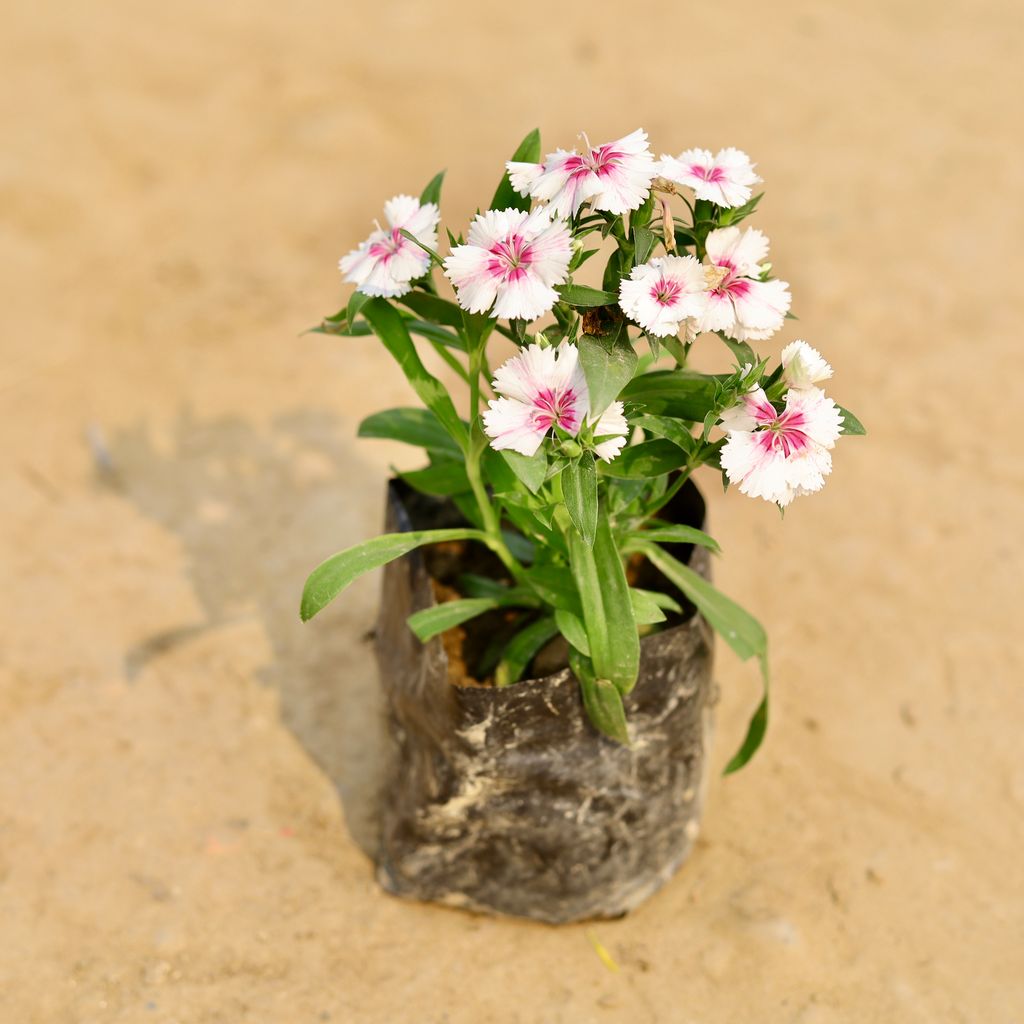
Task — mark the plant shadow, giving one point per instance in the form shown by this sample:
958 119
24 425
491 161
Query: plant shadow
255 508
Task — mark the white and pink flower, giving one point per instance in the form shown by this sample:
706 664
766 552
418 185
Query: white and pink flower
662 294
512 261
740 304
541 388
615 177
387 262
803 366
779 456
724 179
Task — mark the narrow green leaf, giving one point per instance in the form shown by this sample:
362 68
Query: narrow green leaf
608 365
356 301
851 425
601 699
506 197
433 307
443 477
522 649
432 193
740 349
646 610
647 459
418 427
332 576
583 296
532 470
740 630
684 394
679 534
570 625
737 213
643 241
579 490
607 607
390 328
662 601
755 734
430 621
555 585
671 429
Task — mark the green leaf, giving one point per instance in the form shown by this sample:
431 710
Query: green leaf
607 606
579 489
432 193
506 197
444 478
390 328
647 459
646 609
430 621
672 430
643 241
601 699
679 534
570 625
356 301
608 365
740 630
582 295
755 735
432 307
740 349
662 601
522 649
851 425
331 577
555 585
684 394
418 427
532 470
737 213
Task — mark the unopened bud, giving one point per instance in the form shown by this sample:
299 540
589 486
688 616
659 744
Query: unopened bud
571 449
668 226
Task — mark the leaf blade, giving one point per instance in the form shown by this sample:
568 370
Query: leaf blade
607 607
506 197
334 574
389 326
579 490
428 622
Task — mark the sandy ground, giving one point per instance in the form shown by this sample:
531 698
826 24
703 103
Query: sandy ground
186 773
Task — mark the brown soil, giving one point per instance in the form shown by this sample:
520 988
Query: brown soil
187 772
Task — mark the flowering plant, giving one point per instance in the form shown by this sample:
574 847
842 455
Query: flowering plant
574 446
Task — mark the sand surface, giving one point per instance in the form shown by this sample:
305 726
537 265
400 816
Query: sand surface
186 772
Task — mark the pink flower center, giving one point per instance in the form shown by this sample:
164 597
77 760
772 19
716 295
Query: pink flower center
510 258
712 174
666 292
601 161
385 248
553 408
779 432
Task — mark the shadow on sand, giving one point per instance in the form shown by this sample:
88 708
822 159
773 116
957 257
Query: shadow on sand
255 509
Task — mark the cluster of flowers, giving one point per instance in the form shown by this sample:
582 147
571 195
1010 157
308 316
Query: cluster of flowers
512 262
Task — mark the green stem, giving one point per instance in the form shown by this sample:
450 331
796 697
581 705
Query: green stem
672 490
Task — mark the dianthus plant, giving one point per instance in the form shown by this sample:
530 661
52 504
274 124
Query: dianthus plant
573 448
